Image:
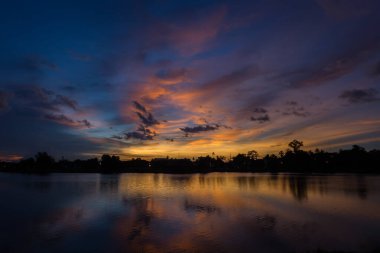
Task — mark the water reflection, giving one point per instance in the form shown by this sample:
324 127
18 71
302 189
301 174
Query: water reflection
197 207
218 212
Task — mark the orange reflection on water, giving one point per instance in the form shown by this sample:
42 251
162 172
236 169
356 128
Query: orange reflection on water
217 212
189 212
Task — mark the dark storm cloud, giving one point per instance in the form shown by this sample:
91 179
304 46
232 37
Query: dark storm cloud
261 119
356 96
200 128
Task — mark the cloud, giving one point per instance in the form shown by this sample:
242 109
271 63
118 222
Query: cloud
52 106
45 99
139 106
4 97
259 110
66 101
138 136
292 108
144 115
200 128
143 132
80 57
359 95
337 67
232 79
347 9
10 158
65 120
36 63
376 70
190 36
261 115
332 71
173 76
117 137
147 119
261 119
85 122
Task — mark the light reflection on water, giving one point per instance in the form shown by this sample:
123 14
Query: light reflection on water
217 212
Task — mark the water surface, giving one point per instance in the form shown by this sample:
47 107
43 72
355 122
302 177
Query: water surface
217 212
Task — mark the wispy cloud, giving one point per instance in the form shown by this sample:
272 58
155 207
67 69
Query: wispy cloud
139 106
347 9
4 97
261 119
200 128
53 106
66 101
65 120
292 108
356 96
143 131
144 115
376 69
36 63
260 115
190 38
173 76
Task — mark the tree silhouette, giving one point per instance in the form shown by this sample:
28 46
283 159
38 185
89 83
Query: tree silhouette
110 163
356 160
253 154
295 145
44 162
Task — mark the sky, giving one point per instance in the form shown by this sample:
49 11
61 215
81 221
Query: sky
187 78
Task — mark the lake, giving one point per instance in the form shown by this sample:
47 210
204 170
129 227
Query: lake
216 212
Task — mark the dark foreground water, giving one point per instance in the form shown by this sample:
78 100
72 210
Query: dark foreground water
218 212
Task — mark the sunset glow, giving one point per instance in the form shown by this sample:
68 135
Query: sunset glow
187 78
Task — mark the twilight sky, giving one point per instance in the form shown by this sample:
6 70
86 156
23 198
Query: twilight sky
187 78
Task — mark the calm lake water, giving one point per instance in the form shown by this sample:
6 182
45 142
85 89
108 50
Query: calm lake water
217 212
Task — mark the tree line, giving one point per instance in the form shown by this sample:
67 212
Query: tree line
294 159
